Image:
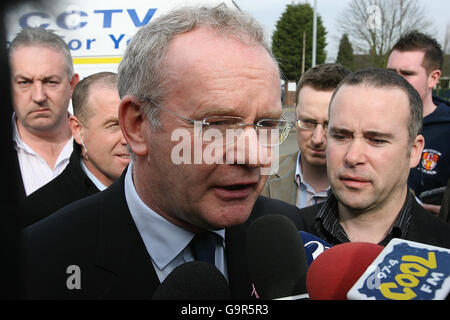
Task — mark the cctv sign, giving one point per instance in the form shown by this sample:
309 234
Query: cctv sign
96 31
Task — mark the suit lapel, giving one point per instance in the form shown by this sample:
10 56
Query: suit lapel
121 250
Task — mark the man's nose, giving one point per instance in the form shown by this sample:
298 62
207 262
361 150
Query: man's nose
38 93
319 134
250 151
356 153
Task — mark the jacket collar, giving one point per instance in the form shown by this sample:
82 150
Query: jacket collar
121 250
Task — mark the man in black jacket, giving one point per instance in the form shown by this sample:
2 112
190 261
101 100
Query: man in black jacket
200 94
95 127
375 118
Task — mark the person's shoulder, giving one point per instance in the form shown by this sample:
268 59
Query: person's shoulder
68 221
264 206
44 201
302 218
441 115
286 164
71 185
288 160
310 212
427 228
79 216
70 236
58 188
441 102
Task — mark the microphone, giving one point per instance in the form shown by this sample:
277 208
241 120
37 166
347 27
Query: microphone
193 280
405 270
313 246
337 269
276 258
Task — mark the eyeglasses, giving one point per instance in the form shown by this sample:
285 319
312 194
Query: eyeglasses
271 132
310 124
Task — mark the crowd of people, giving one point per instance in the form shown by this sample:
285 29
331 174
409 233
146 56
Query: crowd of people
101 190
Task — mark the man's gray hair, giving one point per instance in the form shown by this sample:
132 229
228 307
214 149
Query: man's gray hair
141 71
45 38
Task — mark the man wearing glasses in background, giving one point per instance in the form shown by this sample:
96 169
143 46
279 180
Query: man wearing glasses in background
194 68
302 176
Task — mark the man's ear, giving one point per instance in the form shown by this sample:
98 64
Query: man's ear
76 128
73 82
416 151
134 125
433 78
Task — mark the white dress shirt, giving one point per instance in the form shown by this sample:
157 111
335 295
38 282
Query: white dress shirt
166 243
34 169
306 196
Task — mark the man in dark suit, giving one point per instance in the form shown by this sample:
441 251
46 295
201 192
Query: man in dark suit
95 127
375 118
200 98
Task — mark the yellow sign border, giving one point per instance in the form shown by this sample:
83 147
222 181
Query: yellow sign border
97 60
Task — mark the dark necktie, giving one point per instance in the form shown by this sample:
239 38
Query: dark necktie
203 247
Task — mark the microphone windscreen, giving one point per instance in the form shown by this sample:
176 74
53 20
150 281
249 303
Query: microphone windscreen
314 246
276 258
336 270
193 281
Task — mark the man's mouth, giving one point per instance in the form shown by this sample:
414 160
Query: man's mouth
317 150
235 191
40 110
354 181
236 187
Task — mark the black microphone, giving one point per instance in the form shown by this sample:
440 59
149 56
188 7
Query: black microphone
193 281
276 259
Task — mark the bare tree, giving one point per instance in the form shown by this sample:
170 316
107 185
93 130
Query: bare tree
374 26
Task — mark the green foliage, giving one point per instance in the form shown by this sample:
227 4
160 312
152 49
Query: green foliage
287 40
345 53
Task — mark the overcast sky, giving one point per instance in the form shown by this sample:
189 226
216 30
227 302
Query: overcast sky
268 12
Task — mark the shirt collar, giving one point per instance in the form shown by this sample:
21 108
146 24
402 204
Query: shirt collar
163 240
16 136
326 222
100 186
300 181
298 173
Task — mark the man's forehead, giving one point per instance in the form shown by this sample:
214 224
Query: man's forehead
232 82
54 59
368 96
369 106
406 58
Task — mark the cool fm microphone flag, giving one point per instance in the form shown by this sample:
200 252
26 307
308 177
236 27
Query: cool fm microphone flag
405 270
